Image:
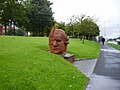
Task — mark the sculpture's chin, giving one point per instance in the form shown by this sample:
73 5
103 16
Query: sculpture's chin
55 52
58 52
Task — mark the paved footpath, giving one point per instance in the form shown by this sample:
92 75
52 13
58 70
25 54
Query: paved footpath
106 75
85 66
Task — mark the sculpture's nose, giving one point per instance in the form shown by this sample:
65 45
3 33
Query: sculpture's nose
54 43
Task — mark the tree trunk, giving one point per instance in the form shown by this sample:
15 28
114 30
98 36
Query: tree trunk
27 33
42 32
73 34
14 27
83 39
89 37
80 36
39 31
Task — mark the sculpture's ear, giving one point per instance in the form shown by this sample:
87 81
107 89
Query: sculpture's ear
68 37
67 41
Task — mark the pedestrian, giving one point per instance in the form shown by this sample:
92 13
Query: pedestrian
103 40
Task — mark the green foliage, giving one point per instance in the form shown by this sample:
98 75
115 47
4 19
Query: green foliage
90 27
17 32
32 15
115 46
20 32
40 16
60 25
26 64
82 26
10 32
13 12
72 26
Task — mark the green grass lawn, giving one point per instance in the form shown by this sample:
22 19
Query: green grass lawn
26 64
115 46
90 49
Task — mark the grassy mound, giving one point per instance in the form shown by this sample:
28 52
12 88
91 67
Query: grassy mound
26 64
90 49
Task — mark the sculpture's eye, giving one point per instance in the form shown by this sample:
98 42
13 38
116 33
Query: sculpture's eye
51 43
58 40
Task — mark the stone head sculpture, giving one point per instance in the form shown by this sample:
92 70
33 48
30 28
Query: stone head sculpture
58 41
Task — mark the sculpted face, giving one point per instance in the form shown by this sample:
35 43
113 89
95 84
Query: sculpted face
58 41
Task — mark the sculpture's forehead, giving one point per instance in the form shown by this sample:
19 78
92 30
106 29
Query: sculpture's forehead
56 37
58 32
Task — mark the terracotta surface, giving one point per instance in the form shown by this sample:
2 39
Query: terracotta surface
58 41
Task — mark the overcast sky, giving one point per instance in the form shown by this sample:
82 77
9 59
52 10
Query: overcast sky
108 12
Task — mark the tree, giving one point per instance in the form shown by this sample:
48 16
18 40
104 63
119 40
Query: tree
83 26
60 25
40 16
89 28
12 12
79 21
72 26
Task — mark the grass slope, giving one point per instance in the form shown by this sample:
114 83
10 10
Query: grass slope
90 49
26 64
115 46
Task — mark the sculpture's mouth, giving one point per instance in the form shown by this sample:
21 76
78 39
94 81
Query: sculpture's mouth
56 48
55 51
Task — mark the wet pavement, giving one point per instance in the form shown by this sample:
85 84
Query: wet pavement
106 75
